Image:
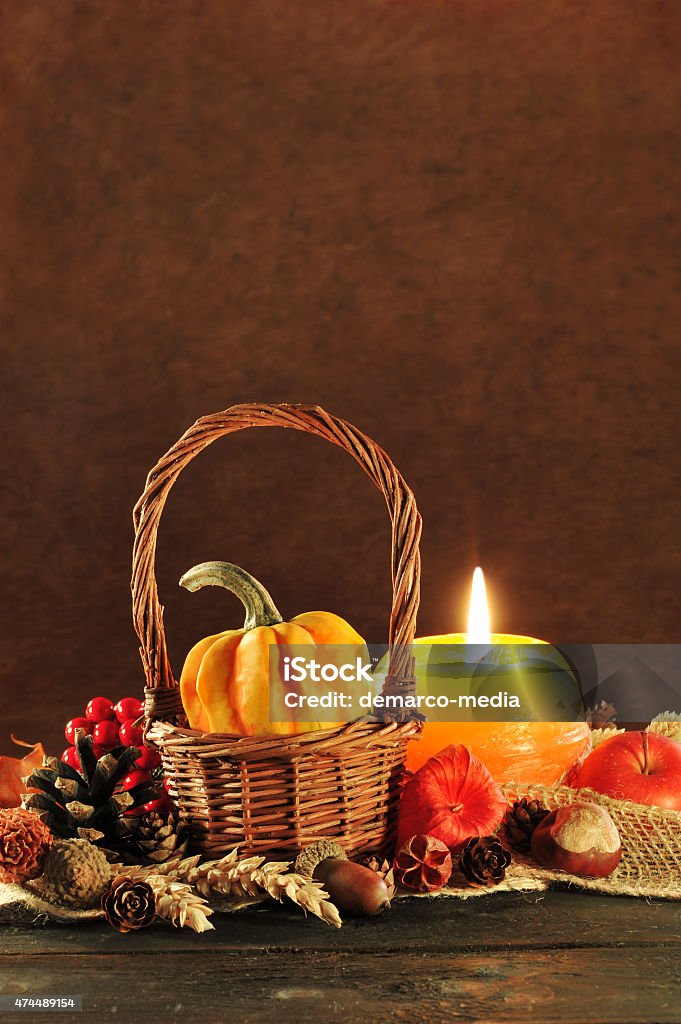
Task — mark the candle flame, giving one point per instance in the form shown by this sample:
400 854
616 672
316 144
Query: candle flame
478 613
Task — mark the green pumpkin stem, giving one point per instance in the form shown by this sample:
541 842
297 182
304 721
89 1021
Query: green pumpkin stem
260 608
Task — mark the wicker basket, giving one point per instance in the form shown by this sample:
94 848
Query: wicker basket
280 793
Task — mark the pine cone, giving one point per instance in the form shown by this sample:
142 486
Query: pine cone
157 839
128 905
484 861
521 821
24 844
600 715
88 804
424 864
383 869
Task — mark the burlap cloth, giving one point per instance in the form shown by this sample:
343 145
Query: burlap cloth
651 851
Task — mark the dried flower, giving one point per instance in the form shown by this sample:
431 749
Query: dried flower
667 724
128 905
424 864
451 797
484 861
25 842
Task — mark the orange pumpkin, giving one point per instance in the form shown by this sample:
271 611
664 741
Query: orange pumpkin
226 679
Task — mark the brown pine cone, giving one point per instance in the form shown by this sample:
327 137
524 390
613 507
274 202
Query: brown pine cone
484 861
25 842
424 864
383 869
521 821
129 905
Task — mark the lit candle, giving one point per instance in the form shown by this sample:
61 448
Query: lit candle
519 751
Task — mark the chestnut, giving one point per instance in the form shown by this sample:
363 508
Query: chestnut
580 838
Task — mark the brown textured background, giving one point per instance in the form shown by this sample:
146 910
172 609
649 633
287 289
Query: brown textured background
456 224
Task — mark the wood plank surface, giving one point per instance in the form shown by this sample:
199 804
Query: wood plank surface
505 921
559 957
586 985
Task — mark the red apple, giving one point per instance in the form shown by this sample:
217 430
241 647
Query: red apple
639 766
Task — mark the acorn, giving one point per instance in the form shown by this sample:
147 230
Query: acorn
356 890
580 838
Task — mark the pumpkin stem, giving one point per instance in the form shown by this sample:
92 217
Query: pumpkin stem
260 608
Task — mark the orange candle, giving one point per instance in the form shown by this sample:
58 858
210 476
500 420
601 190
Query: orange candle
524 752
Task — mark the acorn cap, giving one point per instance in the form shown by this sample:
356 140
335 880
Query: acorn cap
323 849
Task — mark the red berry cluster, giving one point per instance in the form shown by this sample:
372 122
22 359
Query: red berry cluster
113 725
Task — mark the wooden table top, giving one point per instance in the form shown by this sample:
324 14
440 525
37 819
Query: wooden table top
551 957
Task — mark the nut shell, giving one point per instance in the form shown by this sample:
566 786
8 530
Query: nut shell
76 873
307 861
356 890
580 838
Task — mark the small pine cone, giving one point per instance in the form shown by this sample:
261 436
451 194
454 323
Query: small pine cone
128 905
484 861
371 861
158 838
424 864
25 842
383 869
601 715
521 821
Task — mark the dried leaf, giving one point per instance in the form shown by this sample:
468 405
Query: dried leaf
13 770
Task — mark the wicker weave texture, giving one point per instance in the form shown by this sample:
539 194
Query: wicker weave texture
651 844
272 793
343 786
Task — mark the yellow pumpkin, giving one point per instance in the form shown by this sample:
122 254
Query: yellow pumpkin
225 682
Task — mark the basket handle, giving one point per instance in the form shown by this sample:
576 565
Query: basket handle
163 699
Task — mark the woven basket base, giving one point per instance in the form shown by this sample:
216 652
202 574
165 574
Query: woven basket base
276 795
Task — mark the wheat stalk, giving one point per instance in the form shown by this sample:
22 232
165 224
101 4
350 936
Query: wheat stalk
233 884
179 903
308 894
